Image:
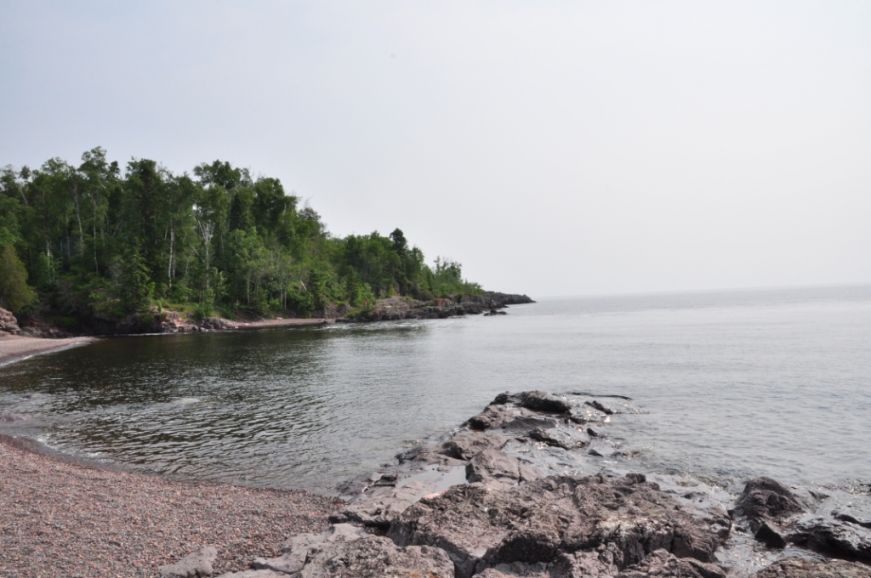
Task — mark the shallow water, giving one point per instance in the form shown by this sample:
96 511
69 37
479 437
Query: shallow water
728 385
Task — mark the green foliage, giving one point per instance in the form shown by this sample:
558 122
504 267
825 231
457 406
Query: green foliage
15 293
100 244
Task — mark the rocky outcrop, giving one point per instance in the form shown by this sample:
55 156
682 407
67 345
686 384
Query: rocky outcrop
8 322
506 496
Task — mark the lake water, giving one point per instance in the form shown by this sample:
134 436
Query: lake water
726 384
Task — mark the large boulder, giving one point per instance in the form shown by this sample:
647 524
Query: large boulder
766 499
8 322
767 503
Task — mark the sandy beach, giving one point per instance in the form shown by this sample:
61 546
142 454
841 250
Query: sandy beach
59 518
17 347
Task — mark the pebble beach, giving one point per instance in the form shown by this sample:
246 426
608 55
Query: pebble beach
60 518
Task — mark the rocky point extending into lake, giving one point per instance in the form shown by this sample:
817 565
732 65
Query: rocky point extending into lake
522 490
395 308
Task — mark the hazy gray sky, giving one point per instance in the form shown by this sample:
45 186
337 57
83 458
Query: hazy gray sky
553 147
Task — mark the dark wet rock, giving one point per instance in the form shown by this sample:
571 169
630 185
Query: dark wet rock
592 433
835 538
560 438
492 465
509 417
544 402
196 564
532 522
466 444
764 499
377 557
536 401
770 535
594 453
804 568
664 564
599 407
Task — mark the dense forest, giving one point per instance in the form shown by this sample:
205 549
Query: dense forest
87 246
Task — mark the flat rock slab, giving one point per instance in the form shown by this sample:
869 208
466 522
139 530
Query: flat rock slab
194 565
802 568
377 557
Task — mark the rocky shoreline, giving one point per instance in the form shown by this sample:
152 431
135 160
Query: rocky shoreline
388 309
522 489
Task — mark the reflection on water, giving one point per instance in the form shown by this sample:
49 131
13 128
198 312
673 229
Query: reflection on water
730 384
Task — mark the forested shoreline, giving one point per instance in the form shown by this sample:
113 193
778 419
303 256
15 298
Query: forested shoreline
92 246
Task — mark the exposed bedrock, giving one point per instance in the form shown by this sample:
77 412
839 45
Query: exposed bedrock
571 523
517 491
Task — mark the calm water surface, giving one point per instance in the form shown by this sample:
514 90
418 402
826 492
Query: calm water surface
727 384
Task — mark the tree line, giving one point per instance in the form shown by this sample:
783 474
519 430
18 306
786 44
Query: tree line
90 245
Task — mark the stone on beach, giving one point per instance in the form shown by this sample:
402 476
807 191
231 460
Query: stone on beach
194 565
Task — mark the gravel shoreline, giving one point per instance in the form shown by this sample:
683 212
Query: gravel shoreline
59 518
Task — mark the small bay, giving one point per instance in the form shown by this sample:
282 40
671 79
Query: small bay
725 384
